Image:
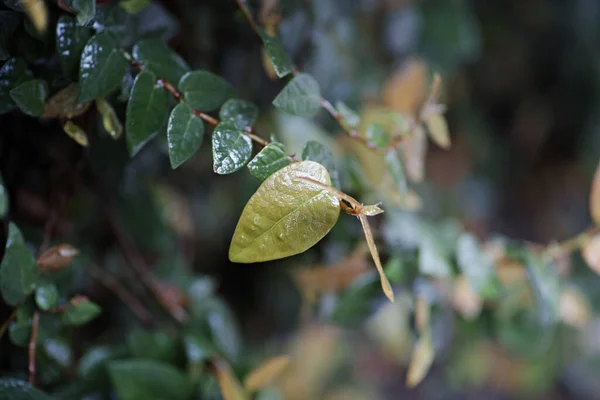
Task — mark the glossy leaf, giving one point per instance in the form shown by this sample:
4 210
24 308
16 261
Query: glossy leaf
301 96
147 111
351 118
285 216
474 264
157 57
317 152
70 41
9 21
84 9
46 296
265 373
64 104
30 96
231 389
145 379
396 170
13 72
421 361
241 113
376 135
594 196
134 6
372 210
282 64
205 91
185 131
15 389
79 311
270 159
101 68
438 130
76 133
18 272
231 148
110 121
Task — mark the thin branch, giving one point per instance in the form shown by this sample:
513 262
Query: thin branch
32 347
136 307
6 323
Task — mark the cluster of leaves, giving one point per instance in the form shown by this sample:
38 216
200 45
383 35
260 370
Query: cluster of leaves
107 55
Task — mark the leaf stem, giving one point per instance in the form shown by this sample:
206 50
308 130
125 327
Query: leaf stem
32 347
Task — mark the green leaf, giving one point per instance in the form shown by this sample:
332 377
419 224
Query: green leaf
134 6
285 216
205 91
14 389
8 24
30 96
197 349
157 57
315 151
280 59
70 41
240 113
3 199
185 131
147 111
101 68
473 263
545 283
18 270
19 333
377 136
145 379
396 169
231 148
153 345
80 312
301 96
13 72
85 10
270 159
350 116
46 296
433 259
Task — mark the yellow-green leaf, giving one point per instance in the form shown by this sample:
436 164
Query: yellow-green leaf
229 384
76 133
265 373
286 215
110 120
438 130
421 360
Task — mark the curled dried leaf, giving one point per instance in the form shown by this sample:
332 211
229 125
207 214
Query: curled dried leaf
266 372
110 121
421 361
64 104
57 257
76 133
372 210
385 284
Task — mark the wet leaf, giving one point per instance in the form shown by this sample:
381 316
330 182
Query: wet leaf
240 113
372 210
385 284
591 253
85 10
474 264
269 160
79 311
317 152
30 96
57 257
64 104
594 194
145 379
301 96
14 389
421 361
231 389
46 296
70 41
376 135
18 272
396 170
37 12
231 148
76 133
279 58
13 72
185 131
110 121
147 111
101 68
351 118
265 373
157 57
438 130
134 6
205 91
285 216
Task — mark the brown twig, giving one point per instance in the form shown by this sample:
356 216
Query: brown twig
32 347
136 307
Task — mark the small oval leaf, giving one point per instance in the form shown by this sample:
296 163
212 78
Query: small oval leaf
241 113
301 96
282 64
205 91
157 57
185 131
270 159
231 148
30 96
285 216
46 296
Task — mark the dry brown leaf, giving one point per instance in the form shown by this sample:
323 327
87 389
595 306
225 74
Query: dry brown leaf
265 373
591 253
575 309
404 90
76 133
595 197
37 12
438 130
64 104
465 300
421 361
413 150
385 284
57 257
231 389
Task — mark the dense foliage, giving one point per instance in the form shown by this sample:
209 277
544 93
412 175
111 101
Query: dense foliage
118 154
